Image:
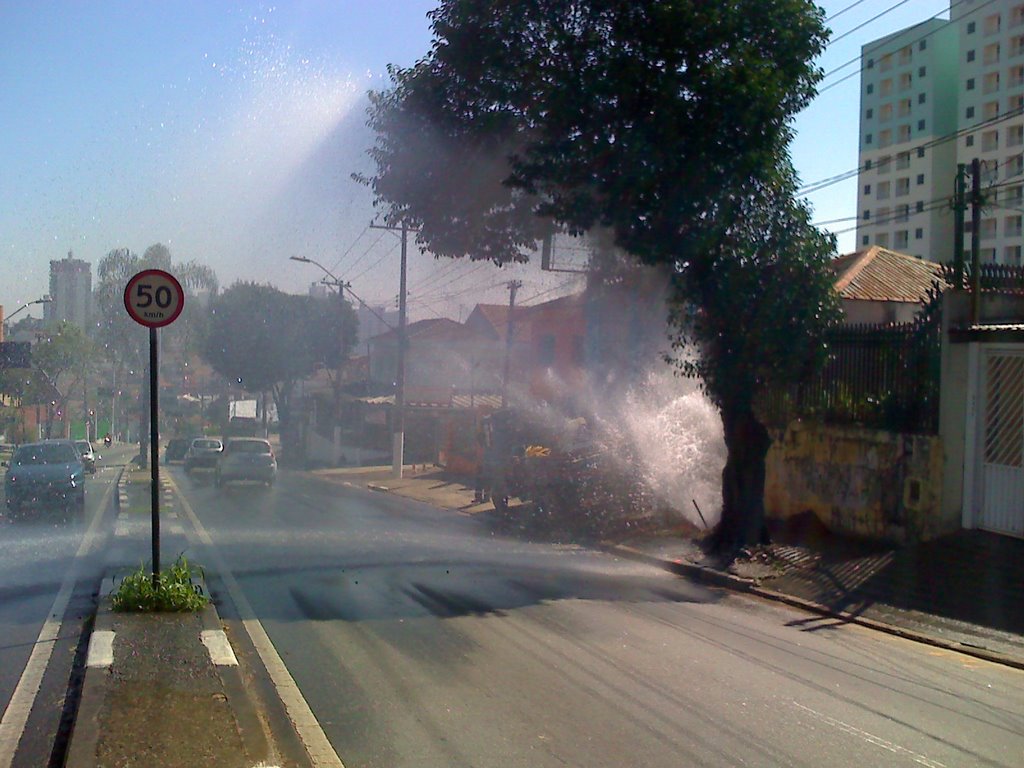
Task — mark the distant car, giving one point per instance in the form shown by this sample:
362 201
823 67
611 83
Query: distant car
88 456
176 449
203 453
45 475
246 458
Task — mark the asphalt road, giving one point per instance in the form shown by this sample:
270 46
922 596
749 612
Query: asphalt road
420 637
45 564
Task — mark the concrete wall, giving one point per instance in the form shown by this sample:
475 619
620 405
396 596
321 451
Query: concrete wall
861 482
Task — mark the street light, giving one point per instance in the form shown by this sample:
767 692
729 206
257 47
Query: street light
331 279
23 307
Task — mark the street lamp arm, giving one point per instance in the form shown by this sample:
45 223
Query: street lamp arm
23 307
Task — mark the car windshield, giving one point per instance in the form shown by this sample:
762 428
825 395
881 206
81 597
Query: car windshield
248 446
521 383
45 453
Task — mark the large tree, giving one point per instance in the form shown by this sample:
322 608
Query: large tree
125 342
60 359
666 123
268 341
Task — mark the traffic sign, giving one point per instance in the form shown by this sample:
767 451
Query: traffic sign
154 298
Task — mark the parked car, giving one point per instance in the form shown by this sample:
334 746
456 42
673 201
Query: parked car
88 455
45 475
246 459
203 453
176 449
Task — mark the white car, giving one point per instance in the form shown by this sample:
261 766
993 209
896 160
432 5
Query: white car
246 459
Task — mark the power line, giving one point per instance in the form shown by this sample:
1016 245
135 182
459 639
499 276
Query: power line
837 14
377 262
912 42
876 17
349 249
365 253
808 189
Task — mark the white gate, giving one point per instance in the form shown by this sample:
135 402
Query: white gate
1002 448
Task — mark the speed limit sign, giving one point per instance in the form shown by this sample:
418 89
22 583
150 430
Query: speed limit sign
154 298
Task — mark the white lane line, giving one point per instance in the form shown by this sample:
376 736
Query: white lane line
216 642
101 649
878 741
313 738
16 715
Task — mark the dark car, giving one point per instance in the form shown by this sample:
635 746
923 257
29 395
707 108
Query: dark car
88 455
46 475
177 447
203 453
246 459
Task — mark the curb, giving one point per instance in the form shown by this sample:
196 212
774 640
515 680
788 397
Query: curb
712 577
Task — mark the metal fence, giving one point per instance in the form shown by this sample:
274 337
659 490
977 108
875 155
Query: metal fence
997 278
880 376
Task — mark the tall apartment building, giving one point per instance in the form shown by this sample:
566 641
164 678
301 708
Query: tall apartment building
70 292
908 102
991 41
933 96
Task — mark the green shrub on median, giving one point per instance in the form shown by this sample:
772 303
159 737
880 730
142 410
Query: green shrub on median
176 591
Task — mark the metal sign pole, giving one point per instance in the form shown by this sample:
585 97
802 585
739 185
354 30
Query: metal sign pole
154 454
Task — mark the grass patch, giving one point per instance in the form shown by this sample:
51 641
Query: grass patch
176 590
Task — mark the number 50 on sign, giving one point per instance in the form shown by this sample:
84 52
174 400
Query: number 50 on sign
154 298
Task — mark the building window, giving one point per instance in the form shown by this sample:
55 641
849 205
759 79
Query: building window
905 54
902 213
867 139
991 54
923 45
988 255
990 83
971 26
921 71
870 88
919 234
1016 76
989 141
905 81
1015 135
920 151
990 110
885 113
1012 226
867 189
902 187
992 24
865 240
902 161
869 114
867 214
900 240
920 179
871 64
920 125
882 192
884 164
1011 255
867 165
969 113
882 239
885 64
886 87
970 83
919 207
905 106
920 98
884 138
970 55
969 141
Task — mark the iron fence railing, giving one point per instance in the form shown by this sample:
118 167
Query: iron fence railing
881 376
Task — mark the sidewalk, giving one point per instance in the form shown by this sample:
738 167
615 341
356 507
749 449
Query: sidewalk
964 591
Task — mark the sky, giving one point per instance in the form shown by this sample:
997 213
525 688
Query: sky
229 132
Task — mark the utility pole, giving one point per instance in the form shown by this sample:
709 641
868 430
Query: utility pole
975 240
398 416
513 286
959 209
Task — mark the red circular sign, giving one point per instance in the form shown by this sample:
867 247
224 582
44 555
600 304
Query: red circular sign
154 298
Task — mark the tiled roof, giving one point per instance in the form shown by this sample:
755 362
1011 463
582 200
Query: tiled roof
878 274
436 328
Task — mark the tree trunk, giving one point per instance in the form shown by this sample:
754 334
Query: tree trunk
743 519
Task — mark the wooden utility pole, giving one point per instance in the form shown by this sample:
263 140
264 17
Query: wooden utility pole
513 286
959 209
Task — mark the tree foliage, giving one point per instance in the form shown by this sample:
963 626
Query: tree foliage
267 341
665 123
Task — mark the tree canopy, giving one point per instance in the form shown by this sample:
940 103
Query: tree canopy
665 123
267 341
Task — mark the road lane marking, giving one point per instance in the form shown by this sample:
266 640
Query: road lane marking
216 642
878 741
101 649
313 738
12 725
